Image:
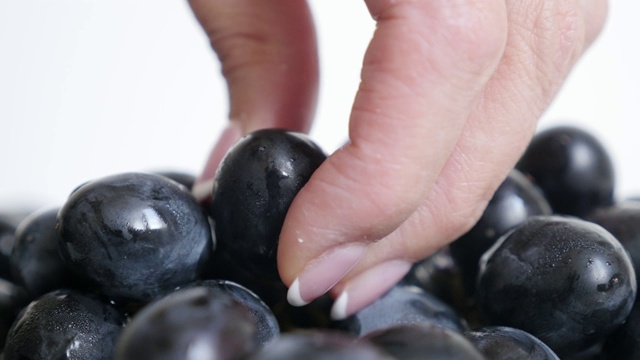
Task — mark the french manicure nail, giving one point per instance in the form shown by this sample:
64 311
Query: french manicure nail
323 273
367 287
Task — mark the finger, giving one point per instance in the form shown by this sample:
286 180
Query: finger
422 73
269 59
540 52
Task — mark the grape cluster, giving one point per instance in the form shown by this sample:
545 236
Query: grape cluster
131 266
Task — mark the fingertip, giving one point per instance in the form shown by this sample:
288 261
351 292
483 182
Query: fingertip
367 287
323 272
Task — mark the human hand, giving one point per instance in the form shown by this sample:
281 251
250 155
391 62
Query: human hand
450 96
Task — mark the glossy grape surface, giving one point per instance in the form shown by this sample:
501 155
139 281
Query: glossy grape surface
440 275
267 326
192 323
572 168
65 324
566 281
134 236
254 187
424 341
506 343
623 221
513 202
403 304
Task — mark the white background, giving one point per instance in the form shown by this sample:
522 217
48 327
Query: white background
92 88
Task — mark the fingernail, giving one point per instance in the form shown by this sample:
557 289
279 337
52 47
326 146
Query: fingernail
368 287
323 273
202 190
204 184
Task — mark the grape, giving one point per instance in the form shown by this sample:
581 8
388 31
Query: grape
623 221
319 345
440 275
12 299
134 236
254 187
267 326
624 342
192 323
513 202
572 168
423 341
35 259
506 343
7 238
65 324
566 281
403 304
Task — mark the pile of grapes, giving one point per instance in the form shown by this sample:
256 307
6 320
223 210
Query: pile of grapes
131 266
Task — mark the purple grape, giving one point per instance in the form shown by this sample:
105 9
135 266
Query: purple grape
35 260
424 341
319 344
192 323
12 299
254 187
267 326
566 281
513 202
7 238
623 221
402 304
507 343
572 168
65 324
134 236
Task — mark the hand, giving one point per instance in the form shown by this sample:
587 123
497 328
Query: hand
450 96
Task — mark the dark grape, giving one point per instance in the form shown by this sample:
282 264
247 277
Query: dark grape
424 341
254 187
507 343
36 264
12 299
319 344
192 323
64 324
7 238
267 326
566 281
514 201
572 168
403 304
440 275
623 221
134 236
624 342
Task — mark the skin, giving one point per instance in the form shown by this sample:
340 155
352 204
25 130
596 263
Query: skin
450 95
